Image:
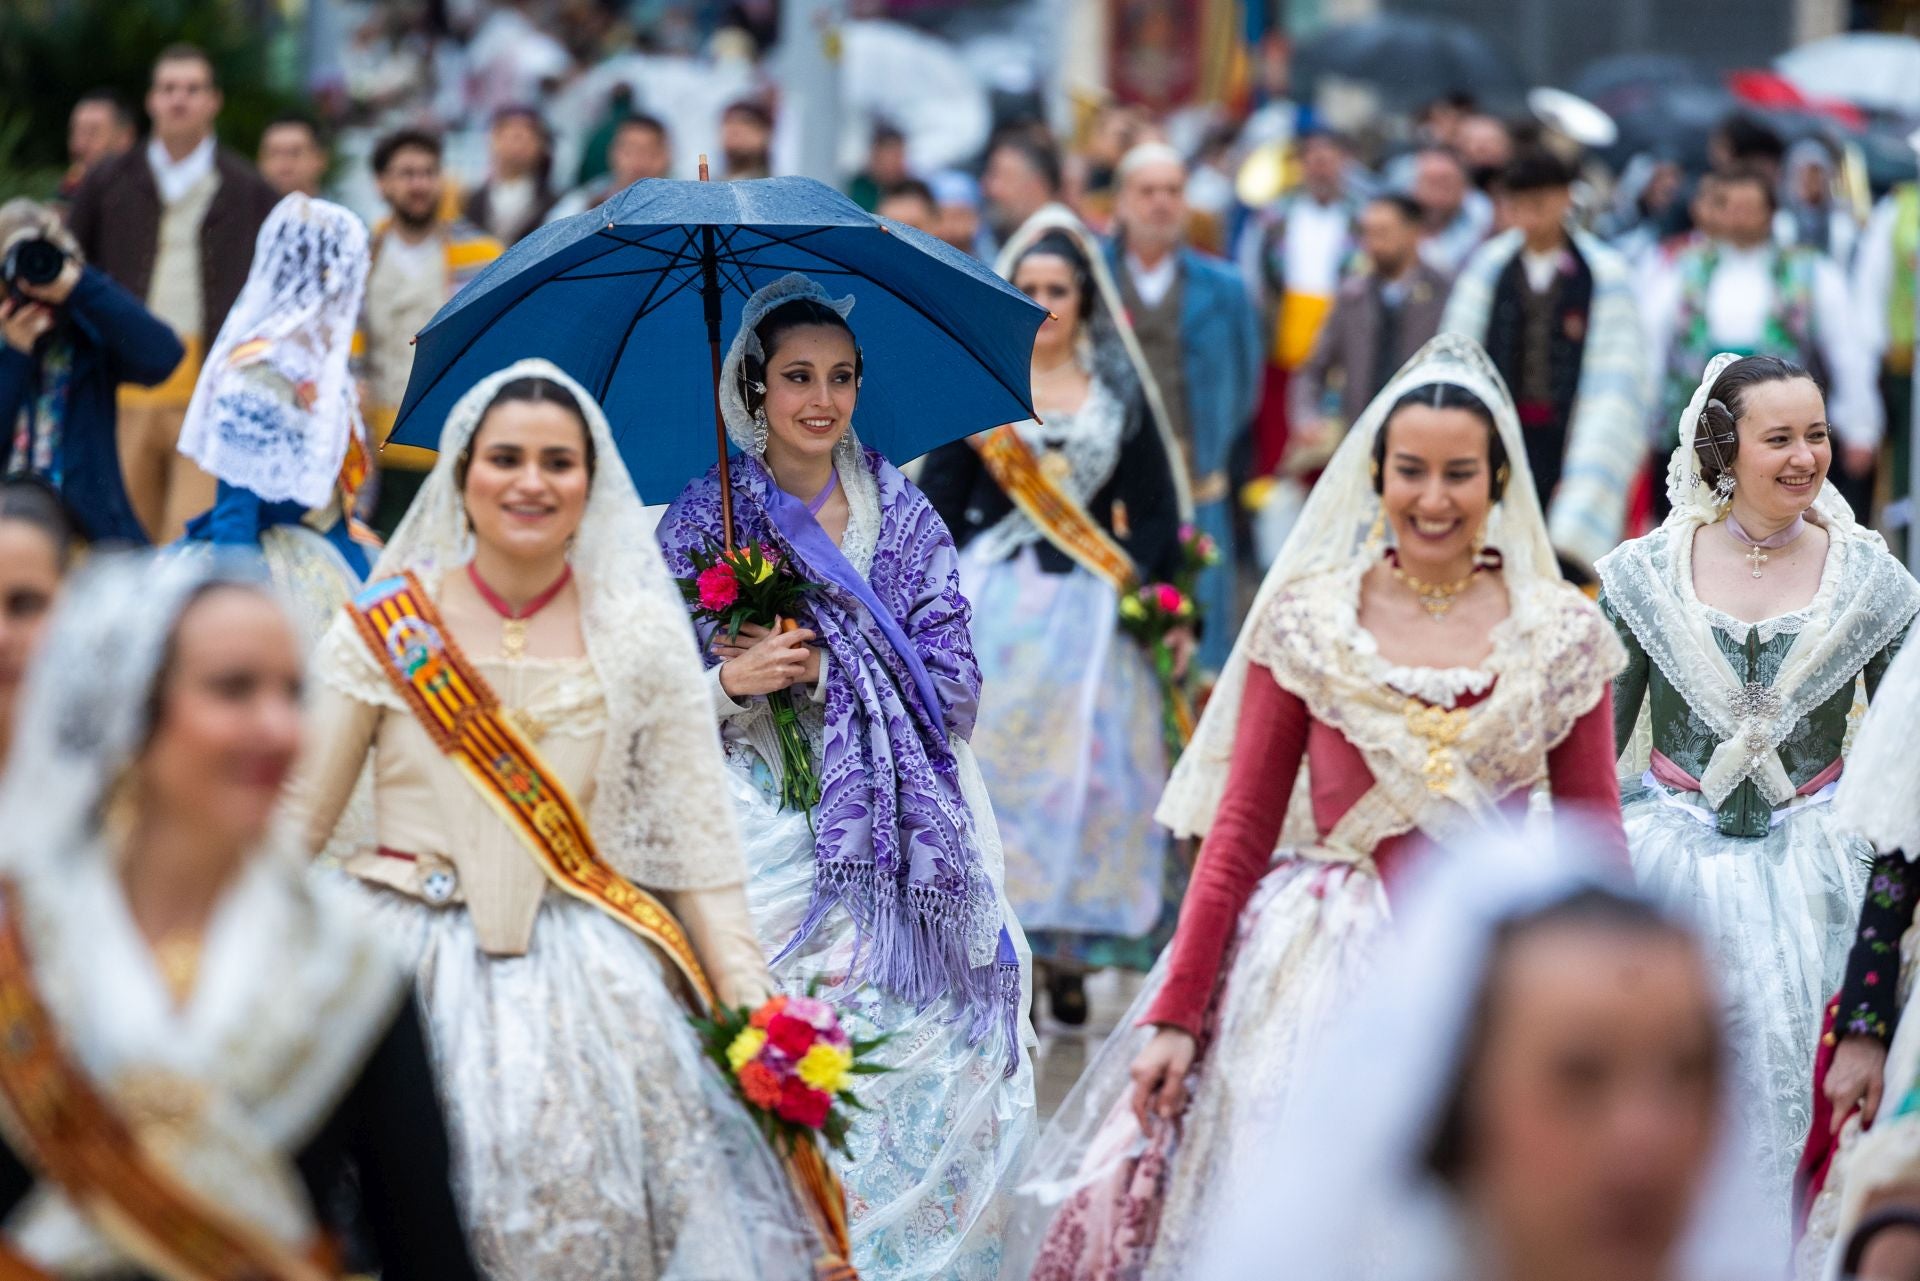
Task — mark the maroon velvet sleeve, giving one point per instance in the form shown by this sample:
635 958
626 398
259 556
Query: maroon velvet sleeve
1238 848
1583 772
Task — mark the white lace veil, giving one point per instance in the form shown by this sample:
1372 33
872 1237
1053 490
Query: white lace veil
659 810
1331 535
1343 1192
1110 324
1693 501
87 708
301 301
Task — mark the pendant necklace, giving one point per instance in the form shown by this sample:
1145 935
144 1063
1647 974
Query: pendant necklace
513 626
1435 598
1757 548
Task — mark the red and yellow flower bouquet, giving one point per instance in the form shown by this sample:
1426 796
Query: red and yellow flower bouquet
793 1063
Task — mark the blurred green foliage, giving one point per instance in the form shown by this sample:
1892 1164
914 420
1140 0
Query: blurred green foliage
53 51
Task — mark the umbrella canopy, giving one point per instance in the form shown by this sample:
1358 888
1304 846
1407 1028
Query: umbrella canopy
630 297
1624 81
1870 69
1411 60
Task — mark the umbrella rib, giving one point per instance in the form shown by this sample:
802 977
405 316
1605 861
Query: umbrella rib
645 309
1022 399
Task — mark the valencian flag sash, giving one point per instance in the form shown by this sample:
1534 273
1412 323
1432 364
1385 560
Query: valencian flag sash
67 1131
1065 522
462 715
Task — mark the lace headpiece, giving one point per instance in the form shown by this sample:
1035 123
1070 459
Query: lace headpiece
275 404
1692 499
746 342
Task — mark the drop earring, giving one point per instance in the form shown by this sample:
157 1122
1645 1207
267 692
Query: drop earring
760 432
1723 489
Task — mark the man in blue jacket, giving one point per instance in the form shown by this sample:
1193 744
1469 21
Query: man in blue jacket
1201 338
65 349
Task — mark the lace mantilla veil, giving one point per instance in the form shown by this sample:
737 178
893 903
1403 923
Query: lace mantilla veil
1343 1192
1117 355
1331 535
660 810
302 299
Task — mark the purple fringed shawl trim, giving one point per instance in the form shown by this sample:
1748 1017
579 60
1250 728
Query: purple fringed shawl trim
894 837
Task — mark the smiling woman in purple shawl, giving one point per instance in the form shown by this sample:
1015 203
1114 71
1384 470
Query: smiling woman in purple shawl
892 886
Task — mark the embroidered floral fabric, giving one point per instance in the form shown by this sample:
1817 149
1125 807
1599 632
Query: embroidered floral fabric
1869 1000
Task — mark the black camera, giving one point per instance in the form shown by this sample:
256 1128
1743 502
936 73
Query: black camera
36 262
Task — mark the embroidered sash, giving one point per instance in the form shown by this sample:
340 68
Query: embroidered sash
68 1132
1056 513
462 715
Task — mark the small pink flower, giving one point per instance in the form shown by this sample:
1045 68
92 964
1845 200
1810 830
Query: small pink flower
1170 599
718 588
1186 533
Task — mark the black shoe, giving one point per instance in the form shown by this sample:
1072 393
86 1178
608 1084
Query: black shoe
1067 998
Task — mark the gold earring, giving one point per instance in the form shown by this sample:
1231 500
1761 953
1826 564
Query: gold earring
1500 476
1377 535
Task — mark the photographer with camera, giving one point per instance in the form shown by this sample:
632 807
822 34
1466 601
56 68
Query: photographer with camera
69 338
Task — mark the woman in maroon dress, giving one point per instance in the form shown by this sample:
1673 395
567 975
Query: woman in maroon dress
1414 667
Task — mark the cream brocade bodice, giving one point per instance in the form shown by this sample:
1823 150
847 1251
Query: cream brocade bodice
461 850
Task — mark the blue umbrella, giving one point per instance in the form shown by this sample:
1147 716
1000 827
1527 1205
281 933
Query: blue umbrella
633 298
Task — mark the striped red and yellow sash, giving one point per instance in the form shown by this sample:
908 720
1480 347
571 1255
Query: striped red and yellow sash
1066 524
68 1132
462 715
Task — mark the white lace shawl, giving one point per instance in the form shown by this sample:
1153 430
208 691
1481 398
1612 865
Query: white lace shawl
293 990
660 812
1330 537
1864 600
301 302
1880 790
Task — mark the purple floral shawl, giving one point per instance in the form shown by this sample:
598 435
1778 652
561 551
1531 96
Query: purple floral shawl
894 837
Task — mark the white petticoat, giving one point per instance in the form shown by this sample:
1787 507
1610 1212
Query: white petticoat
1778 913
591 1137
1305 943
946 1130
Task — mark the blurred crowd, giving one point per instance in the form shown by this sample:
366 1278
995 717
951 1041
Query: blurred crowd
456 129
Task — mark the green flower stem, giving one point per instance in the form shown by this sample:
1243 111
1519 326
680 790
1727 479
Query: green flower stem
799 782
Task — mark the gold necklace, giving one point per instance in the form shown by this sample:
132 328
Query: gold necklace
177 956
1435 598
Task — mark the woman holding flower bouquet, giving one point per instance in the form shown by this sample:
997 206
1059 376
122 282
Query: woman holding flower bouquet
875 861
1074 520
552 845
1414 666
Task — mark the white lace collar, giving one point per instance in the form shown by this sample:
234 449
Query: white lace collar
1440 686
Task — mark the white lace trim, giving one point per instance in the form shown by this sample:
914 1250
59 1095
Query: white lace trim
1440 686
1089 439
862 539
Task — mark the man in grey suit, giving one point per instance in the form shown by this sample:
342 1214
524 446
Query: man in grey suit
1380 318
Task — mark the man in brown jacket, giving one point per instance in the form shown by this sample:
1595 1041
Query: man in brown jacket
1379 320
174 221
